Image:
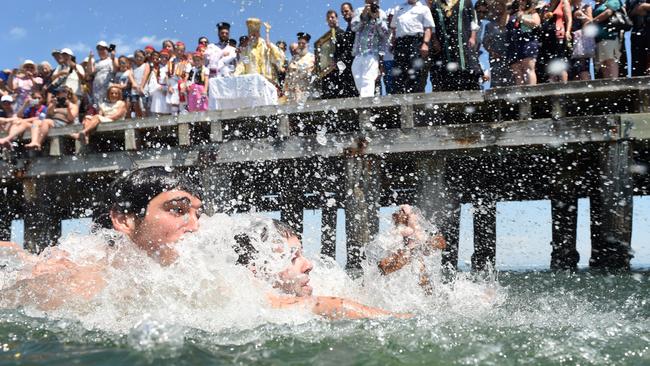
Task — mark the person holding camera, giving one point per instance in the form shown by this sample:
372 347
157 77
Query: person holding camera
61 111
101 71
68 73
371 37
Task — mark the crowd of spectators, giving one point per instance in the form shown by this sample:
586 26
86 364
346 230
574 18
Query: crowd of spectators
368 52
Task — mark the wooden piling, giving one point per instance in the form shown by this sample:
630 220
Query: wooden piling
292 205
41 216
217 188
328 231
439 203
611 208
564 221
485 236
361 204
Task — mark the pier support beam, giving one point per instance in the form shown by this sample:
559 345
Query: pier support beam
439 203
42 218
328 231
611 208
564 217
292 204
6 214
485 235
217 187
361 204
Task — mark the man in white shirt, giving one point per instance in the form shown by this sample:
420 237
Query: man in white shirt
221 57
67 73
413 27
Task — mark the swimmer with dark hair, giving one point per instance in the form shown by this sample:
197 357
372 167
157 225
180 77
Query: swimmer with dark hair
293 280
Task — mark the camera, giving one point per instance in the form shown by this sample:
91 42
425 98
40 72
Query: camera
374 7
111 47
61 102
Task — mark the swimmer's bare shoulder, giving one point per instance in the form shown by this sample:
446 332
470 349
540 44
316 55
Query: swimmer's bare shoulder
332 307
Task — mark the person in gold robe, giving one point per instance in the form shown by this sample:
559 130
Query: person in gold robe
259 56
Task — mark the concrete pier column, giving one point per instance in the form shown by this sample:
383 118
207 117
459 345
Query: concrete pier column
362 195
439 203
6 214
564 221
42 218
611 209
485 235
217 188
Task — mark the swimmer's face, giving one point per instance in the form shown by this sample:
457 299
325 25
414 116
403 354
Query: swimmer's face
294 279
169 216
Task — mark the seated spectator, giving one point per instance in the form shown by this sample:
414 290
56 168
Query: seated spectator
584 45
608 41
523 44
112 110
7 113
61 111
141 71
33 109
639 11
198 84
24 81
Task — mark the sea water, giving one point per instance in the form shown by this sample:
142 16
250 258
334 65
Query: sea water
205 309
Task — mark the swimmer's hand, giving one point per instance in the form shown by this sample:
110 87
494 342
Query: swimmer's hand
332 307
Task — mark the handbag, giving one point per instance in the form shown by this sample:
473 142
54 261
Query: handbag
620 20
583 46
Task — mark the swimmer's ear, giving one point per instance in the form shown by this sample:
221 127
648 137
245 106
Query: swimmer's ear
124 223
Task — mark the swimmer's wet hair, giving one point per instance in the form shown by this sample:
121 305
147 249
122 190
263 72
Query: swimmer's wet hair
245 250
131 194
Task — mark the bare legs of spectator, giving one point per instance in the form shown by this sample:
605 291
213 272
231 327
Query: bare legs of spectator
17 128
524 72
139 108
90 124
609 69
40 130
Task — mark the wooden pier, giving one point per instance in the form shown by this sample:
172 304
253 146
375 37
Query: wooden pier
557 142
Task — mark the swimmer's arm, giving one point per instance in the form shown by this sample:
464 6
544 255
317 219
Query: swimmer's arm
332 307
395 261
18 250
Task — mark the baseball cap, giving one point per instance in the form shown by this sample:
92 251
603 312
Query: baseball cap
102 44
67 51
7 98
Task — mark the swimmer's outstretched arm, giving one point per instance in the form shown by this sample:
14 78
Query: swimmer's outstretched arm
333 307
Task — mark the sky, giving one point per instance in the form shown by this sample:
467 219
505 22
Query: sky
32 28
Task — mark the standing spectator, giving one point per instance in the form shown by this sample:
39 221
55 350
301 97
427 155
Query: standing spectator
389 57
413 26
101 71
34 108
4 87
523 46
456 67
138 86
221 57
124 80
495 43
640 36
371 37
148 51
113 109
281 70
44 72
556 30
24 81
197 90
61 111
297 86
158 87
67 73
583 42
258 57
343 56
203 41
338 83
608 41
